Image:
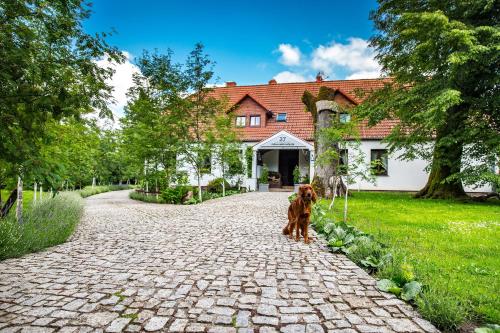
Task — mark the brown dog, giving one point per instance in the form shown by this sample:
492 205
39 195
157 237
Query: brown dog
299 213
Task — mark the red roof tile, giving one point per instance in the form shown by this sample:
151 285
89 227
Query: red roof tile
286 98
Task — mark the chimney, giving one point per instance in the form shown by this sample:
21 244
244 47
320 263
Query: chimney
231 84
319 77
272 81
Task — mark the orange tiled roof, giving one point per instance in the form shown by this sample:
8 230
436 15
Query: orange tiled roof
286 97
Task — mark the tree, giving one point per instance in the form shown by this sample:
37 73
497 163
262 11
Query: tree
226 152
172 111
153 122
48 73
200 111
327 148
444 62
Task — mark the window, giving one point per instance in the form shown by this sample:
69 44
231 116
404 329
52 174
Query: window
281 117
255 121
241 121
379 163
343 161
345 118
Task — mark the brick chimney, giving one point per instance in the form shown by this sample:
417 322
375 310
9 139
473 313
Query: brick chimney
231 84
272 81
319 77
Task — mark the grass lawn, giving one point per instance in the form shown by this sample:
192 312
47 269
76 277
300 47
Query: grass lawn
454 247
27 197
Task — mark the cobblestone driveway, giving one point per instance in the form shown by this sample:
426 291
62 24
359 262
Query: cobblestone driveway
222 266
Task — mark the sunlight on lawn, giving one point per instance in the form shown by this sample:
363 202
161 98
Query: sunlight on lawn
454 246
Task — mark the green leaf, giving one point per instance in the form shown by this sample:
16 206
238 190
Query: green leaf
386 284
411 290
483 330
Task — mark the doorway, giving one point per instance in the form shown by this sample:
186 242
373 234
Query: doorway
288 160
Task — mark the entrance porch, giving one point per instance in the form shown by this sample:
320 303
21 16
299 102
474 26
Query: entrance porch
281 153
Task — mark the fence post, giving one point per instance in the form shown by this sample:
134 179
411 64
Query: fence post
34 192
19 208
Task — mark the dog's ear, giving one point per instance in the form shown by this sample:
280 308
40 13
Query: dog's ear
314 196
301 191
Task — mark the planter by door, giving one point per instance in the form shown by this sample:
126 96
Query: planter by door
263 187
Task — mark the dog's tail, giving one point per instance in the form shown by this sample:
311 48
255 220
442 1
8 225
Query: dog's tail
286 231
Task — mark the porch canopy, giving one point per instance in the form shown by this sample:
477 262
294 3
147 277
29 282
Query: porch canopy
282 140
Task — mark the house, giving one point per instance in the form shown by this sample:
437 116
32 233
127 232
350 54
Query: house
271 119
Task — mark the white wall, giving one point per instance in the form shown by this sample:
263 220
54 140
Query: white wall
402 175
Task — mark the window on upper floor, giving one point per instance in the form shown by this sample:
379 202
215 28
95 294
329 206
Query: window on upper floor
379 162
241 121
281 117
254 121
345 118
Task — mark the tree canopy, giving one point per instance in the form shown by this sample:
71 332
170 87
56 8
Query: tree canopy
48 72
443 59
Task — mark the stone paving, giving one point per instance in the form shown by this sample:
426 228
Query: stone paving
222 266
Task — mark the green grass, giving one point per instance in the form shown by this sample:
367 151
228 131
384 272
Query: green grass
88 190
454 247
27 197
46 223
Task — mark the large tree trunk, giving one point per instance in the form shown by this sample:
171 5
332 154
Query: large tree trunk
323 172
324 181
446 160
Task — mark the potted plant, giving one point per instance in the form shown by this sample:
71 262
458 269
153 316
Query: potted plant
296 179
264 179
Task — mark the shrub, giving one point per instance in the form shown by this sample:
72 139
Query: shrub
47 223
440 308
174 195
88 190
146 198
215 185
296 175
362 248
264 175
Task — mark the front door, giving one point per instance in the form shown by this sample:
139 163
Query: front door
288 160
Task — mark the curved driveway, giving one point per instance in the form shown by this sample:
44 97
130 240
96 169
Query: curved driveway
221 266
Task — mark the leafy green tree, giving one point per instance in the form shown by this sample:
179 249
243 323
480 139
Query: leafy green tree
153 121
48 73
226 152
200 110
444 60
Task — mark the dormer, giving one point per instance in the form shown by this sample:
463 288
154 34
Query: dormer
250 113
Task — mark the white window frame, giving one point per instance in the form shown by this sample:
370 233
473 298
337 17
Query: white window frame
238 123
254 124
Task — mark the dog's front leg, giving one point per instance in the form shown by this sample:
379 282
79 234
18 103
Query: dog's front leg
306 232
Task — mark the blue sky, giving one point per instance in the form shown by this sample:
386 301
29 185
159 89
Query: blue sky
251 41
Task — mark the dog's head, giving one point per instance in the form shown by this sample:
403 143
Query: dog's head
306 193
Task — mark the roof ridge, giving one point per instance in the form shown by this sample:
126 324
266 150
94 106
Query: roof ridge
305 82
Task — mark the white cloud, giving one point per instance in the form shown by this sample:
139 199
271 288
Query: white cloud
121 81
364 75
287 76
290 55
356 57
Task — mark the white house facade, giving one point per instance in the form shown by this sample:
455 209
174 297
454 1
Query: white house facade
274 126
